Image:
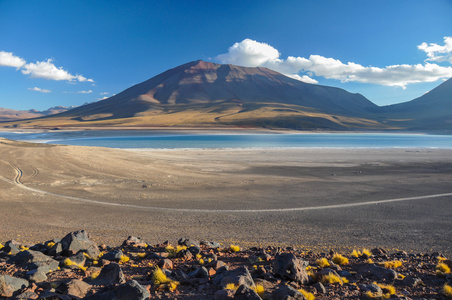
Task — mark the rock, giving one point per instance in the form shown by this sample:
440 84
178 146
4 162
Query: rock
199 273
210 244
166 264
10 285
320 288
286 292
376 291
134 242
239 276
179 275
377 271
79 241
184 254
411 281
287 266
110 274
378 251
194 250
131 290
56 249
244 292
74 288
31 260
114 255
36 275
11 247
78 259
224 294
27 295
188 242
264 255
216 264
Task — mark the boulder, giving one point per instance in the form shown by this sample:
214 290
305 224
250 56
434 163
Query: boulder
36 275
109 275
166 264
74 288
134 242
114 255
131 290
199 273
377 271
27 295
412 281
376 291
188 242
10 285
238 277
11 247
244 292
79 241
289 267
286 292
32 260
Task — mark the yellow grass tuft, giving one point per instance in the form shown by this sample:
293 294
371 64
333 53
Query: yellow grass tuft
367 252
369 261
323 262
141 255
447 291
391 264
201 261
355 253
443 268
387 288
308 296
23 248
48 245
260 290
234 248
159 277
173 251
231 286
68 262
124 259
339 259
331 279
1 246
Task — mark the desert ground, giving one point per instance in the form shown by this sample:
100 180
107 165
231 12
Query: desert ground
308 198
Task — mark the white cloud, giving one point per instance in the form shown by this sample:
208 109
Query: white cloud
436 52
79 92
36 89
103 98
8 59
47 70
252 53
104 93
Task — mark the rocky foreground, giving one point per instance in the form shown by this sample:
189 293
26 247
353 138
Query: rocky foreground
75 267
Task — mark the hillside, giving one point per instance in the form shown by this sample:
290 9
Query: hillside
204 94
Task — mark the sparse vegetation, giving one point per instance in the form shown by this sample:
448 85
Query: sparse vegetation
339 259
447 291
331 278
323 262
234 248
391 264
308 296
442 269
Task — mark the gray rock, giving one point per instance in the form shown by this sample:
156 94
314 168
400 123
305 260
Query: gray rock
188 242
244 292
238 277
31 260
10 285
211 244
199 273
166 263
79 241
224 294
377 271
194 250
287 266
320 288
114 255
134 241
27 295
184 254
11 247
36 275
131 290
74 288
110 274
412 281
78 259
286 292
373 288
179 275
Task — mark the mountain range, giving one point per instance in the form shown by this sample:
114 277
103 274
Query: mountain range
205 94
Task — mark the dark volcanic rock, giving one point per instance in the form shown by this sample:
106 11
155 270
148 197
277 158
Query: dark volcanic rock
377 271
244 292
113 255
10 285
188 242
287 266
79 241
238 277
31 260
11 247
131 290
110 274
74 288
286 292
199 273
134 241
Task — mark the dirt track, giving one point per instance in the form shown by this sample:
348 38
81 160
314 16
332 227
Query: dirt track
270 183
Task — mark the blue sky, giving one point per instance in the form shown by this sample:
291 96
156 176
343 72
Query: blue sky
71 52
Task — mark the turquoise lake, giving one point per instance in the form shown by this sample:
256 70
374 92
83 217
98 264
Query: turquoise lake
177 140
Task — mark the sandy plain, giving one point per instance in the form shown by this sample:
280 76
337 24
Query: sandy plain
309 198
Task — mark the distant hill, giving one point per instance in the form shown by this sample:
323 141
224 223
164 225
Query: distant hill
205 94
7 114
431 111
